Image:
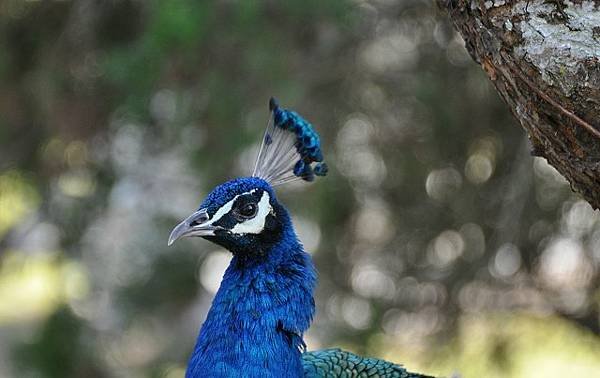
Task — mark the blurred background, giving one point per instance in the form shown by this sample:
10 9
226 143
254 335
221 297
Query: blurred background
440 242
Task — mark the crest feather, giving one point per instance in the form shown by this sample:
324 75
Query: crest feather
290 149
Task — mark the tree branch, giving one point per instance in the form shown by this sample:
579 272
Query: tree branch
543 57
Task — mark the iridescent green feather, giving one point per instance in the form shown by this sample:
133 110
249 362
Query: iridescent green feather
330 363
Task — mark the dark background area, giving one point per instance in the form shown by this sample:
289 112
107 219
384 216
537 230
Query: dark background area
440 242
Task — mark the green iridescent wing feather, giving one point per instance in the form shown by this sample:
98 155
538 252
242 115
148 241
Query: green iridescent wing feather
332 363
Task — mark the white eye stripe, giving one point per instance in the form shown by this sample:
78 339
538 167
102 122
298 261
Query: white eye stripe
226 208
256 224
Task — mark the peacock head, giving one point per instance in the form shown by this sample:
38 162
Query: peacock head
243 214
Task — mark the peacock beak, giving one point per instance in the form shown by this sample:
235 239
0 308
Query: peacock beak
196 224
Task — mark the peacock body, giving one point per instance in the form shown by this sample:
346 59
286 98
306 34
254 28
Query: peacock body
265 303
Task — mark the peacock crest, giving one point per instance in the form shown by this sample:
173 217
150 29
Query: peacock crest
290 149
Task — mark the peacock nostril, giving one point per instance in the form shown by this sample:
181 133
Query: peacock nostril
199 219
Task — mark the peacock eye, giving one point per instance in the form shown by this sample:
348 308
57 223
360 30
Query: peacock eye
248 210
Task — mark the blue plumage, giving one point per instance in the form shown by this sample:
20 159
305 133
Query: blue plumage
265 303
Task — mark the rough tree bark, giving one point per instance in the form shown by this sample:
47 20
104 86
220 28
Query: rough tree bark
543 57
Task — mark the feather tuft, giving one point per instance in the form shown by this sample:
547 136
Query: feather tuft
290 149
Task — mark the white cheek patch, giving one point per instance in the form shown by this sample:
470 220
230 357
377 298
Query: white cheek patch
257 224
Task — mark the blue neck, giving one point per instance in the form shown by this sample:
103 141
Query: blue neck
255 325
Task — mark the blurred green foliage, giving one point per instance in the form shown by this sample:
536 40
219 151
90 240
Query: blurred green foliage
440 242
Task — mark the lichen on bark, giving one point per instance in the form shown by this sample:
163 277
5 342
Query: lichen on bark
559 42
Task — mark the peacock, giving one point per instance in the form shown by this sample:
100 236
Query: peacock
265 303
